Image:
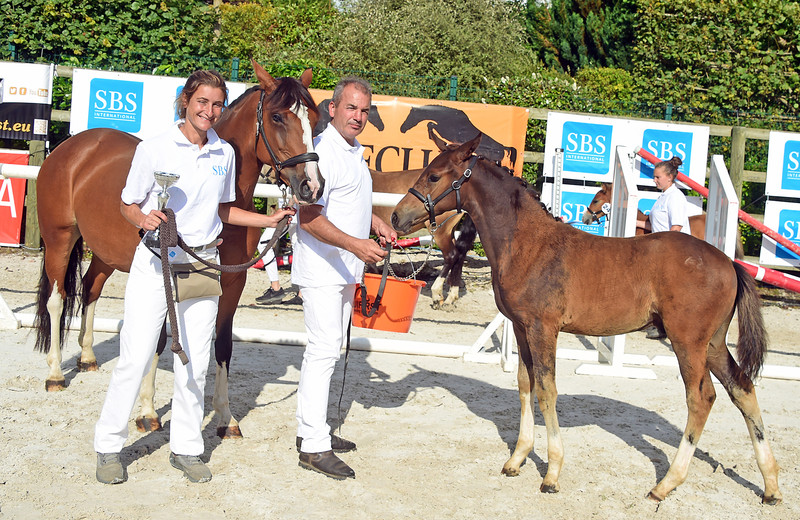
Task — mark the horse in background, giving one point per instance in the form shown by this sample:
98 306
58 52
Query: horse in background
454 248
79 196
697 223
550 277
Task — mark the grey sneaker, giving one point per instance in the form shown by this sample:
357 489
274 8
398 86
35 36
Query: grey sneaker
109 468
271 296
193 468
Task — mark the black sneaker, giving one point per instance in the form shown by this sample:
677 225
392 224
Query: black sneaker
271 296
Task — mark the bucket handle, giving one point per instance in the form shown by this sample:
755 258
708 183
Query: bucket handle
373 308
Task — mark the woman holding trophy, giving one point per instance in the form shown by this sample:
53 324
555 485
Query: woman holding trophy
198 170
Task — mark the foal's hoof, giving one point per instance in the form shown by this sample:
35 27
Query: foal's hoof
229 432
655 498
87 367
771 501
548 488
56 385
510 472
148 424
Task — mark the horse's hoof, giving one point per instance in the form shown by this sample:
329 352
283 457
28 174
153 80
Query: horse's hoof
510 472
55 385
549 488
229 432
771 501
655 498
87 367
147 424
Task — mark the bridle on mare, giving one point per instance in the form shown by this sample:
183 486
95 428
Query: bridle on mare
594 215
277 165
430 204
602 212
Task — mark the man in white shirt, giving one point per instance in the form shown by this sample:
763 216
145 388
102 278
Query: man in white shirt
332 245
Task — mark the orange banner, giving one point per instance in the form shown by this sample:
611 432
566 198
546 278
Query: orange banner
396 137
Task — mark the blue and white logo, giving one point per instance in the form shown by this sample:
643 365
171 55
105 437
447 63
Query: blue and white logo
789 227
666 144
587 147
573 205
790 171
115 104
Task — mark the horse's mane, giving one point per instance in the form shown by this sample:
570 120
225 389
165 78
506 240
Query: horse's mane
286 95
501 172
289 93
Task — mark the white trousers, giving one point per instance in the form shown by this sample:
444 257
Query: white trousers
145 310
270 265
327 312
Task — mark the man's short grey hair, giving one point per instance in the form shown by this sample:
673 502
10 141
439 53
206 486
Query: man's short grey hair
360 83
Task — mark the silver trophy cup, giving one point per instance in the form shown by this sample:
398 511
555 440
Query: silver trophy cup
165 180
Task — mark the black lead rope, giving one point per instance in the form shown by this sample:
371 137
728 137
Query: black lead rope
368 313
367 309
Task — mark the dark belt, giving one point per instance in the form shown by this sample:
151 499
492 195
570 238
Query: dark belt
210 245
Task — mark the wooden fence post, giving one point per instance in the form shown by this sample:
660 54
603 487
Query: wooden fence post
32 236
738 141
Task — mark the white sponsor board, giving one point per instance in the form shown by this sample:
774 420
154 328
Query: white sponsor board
26 83
783 165
783 217
26 95
139 104
589 143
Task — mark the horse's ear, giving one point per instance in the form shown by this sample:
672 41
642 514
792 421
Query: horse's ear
305 77
266 81
466 150
440 143
606 187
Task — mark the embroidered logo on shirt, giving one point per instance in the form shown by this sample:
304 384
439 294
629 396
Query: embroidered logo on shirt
219 170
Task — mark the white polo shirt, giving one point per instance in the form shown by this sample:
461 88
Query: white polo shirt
207 178
670 209
347 203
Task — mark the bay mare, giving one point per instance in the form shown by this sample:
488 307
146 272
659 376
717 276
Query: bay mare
548 277
79 187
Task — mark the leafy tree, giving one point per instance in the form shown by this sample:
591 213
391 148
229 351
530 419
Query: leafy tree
575 34
170 36
275 32
735 54
472 39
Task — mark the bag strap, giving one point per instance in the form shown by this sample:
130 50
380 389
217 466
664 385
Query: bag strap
364 299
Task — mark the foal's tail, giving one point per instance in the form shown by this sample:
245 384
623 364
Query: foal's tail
72 287
752 345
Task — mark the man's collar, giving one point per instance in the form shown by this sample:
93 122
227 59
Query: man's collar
338 139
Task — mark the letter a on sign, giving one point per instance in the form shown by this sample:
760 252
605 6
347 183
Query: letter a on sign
7 197
12 200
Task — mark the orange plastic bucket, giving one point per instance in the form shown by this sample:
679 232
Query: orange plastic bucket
397 306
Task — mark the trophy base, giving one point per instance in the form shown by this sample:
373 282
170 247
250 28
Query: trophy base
151 240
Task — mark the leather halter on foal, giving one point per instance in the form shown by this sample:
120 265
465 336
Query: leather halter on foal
605 209
278 165
455 186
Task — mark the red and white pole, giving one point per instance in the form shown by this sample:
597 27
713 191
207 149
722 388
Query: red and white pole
762 274
743 216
